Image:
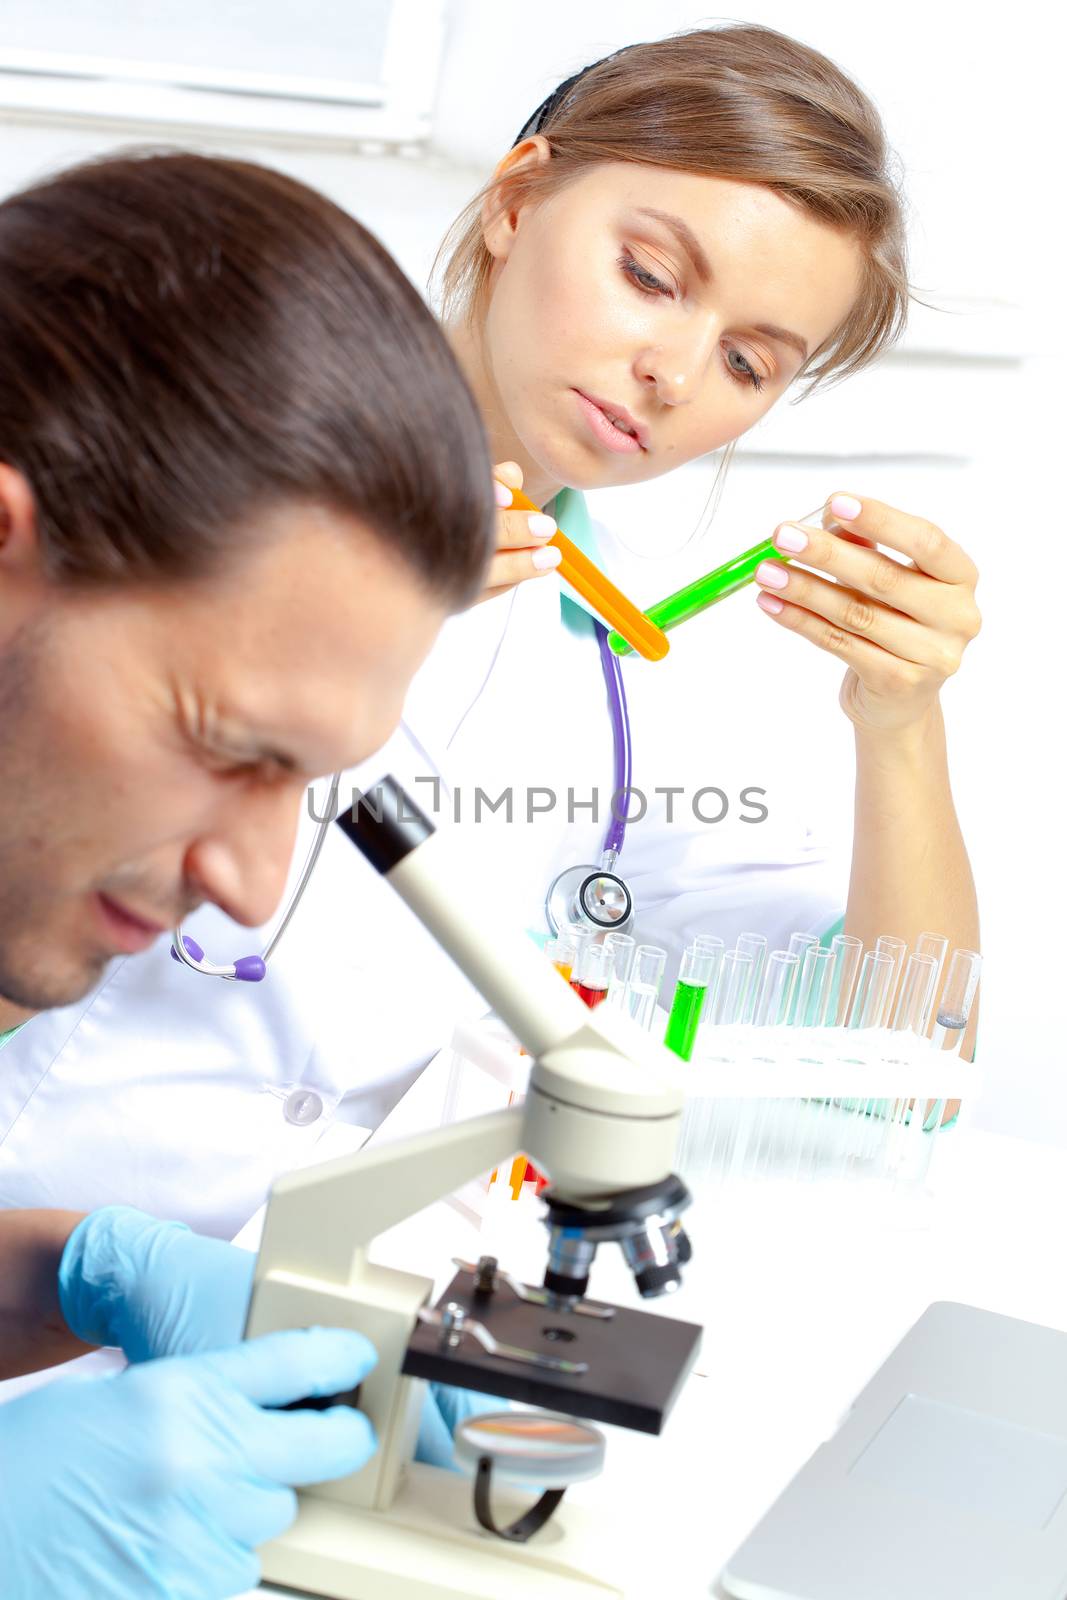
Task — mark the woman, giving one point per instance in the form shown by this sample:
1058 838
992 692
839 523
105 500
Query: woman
682 233
630 295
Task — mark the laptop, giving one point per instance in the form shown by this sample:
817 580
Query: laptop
946 1481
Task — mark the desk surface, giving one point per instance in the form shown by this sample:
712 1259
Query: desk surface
797 1318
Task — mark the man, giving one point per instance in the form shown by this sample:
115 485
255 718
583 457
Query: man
242 484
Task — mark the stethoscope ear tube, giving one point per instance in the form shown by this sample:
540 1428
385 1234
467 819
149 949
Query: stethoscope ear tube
246 969
253 969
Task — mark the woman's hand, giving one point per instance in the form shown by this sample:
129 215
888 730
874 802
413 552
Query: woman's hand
522 550
900 627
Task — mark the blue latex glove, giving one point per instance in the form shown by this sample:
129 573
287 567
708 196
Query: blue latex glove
152 1288
156 1289
158 1483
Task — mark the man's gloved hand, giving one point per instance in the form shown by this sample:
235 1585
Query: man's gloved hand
157 1289
444 1409
162 1480
152 1288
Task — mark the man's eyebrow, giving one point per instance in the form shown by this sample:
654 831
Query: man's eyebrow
695 251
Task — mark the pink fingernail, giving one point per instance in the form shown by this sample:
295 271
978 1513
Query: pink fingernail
501 494
541 527
769 602
772 573
846 506
549 557
792 539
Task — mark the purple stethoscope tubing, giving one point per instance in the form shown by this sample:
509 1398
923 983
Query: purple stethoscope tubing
623 747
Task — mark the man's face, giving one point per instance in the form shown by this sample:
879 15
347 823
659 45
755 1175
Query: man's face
156 743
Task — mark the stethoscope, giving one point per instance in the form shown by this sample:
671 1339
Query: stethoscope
253 969
595 895
590 894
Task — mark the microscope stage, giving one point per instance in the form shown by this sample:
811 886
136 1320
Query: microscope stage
637 1361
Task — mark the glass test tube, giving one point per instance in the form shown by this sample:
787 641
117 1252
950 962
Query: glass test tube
622 948
735 976
799 945
708 590
633 627
593 974
868 1004
776 991
957 998
754 945
814 987
848 949
936 945
887 944
704 592
562 951
646 975
916 993
714 947
687 1007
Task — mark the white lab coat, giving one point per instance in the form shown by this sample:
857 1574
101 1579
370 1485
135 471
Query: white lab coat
186 1096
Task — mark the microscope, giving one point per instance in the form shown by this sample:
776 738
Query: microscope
600 1119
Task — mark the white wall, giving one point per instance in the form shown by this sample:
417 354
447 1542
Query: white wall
956 425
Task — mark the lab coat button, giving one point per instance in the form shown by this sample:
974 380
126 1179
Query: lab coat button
303 1106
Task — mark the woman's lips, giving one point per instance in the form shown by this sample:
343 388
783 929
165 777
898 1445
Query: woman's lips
605 431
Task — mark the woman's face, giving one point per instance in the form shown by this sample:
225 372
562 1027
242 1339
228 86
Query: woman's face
641 317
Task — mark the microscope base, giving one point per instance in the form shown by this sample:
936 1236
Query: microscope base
427 1546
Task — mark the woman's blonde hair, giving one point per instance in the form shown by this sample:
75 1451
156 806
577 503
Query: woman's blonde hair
739 102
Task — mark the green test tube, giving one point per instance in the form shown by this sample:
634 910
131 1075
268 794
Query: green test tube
688 1004
704 592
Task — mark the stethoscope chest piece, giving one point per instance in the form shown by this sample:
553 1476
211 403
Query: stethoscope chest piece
592 897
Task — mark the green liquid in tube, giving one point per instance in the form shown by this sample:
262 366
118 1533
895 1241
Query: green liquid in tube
684 1020
704 592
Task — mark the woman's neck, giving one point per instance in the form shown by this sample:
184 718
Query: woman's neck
504 444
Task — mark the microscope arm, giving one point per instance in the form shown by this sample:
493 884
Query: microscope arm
372 1190
598 1064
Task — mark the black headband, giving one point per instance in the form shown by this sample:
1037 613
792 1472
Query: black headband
551 104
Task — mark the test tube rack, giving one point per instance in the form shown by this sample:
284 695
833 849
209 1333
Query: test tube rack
807 1105
769 1107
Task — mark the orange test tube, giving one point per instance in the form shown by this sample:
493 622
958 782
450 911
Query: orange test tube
609 602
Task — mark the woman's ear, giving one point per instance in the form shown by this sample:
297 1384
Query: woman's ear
500 217
18 520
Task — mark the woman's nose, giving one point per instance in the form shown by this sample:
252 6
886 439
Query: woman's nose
676 370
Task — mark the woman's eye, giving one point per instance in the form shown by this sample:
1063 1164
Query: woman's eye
745 372
646 281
